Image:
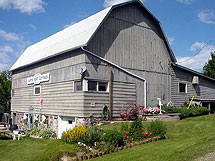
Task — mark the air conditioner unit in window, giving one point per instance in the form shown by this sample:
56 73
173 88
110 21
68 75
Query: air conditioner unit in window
195 80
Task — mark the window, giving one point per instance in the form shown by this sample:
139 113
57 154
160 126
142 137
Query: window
37 90
12 93
92 86
70 122
103 86
78 86
182 87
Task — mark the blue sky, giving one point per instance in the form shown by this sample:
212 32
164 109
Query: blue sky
188 24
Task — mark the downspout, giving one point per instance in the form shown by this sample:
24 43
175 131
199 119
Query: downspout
122 69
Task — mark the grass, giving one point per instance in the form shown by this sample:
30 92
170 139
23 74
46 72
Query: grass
29 149
188 140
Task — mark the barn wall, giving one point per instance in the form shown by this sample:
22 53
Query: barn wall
59 97
130 38
205 89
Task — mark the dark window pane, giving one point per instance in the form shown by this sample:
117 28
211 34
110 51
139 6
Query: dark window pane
92 85
70 121
102 86
182 87
78 86
37 90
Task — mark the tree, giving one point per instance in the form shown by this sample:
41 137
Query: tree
209 68
5 89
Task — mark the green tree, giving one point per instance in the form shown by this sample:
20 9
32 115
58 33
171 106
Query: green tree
209 68
5 89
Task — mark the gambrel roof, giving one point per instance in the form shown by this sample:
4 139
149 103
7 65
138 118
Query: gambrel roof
73 37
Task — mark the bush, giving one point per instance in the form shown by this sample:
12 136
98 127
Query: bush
157 128
193 111
41 133
57 149
92 136
113 137
75 134
135 131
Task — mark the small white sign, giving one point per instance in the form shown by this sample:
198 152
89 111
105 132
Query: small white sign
38 78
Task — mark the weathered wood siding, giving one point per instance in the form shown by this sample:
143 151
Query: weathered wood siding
205 89
122 92
59 97
130 38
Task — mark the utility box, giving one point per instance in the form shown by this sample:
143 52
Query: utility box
195 80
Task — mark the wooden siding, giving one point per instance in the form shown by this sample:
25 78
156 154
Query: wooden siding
58 95
205 89
59 99
122 93
132 40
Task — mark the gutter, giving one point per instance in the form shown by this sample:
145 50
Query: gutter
120 68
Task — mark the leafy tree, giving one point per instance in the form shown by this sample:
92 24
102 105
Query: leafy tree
5 89
209 68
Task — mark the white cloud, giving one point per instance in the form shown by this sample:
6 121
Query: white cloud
197 62
171 40
24 6
185 1
67 25
32 26
108 3
6 49
4 58
207 16
8 36
4 67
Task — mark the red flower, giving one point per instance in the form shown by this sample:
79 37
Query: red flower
144 134
151 133
125 118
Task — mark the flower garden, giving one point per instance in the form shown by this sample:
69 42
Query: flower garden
95 141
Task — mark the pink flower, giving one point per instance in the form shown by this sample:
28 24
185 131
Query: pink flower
157 109
151 133
145 110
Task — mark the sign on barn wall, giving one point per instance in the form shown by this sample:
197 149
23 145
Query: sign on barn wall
38 78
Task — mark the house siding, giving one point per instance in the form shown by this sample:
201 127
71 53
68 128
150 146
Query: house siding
205 89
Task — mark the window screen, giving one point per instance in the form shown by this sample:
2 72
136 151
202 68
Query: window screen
92 86
37 90
78 86
182 87
102 86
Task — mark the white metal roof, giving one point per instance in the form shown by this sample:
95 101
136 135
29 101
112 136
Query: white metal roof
70 38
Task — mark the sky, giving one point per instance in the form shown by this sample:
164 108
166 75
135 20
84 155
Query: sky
188 24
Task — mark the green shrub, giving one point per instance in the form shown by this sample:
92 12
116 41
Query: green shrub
75 134
113 137
184 112
135 131
92 136
59 148
124 127
157 128
41 133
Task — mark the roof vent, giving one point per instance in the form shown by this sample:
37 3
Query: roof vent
195 80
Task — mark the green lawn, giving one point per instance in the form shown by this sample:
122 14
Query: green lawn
188 139
29 149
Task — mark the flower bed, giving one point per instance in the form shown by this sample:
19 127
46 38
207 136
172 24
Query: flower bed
93 141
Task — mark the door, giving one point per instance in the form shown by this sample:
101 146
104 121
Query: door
31 121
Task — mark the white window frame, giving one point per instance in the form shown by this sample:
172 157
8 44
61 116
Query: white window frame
34 90
85 85
179 87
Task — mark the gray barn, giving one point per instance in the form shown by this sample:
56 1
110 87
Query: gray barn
117 56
